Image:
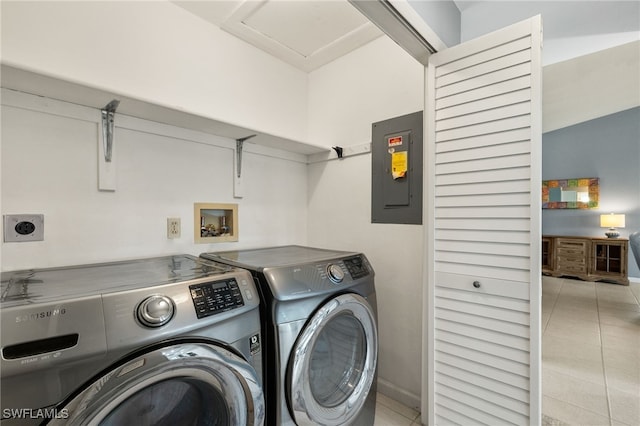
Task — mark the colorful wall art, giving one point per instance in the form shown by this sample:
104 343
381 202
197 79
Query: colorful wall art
582 193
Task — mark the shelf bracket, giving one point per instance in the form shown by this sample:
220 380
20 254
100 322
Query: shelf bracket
108 117
106 166
237 181
338 150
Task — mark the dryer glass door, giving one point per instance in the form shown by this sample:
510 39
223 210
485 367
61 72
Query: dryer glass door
334 362
188 383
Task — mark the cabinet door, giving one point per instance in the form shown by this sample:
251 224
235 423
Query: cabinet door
548 255
609 258
483 230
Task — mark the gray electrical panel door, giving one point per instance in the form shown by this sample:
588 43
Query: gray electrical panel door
396 165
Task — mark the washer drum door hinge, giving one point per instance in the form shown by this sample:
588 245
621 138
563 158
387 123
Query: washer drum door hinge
108 117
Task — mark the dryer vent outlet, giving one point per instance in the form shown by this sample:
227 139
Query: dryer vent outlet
23 227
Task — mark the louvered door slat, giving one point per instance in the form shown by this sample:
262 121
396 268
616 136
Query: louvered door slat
498 261
493 397
479 299
482 346
483 164
514 173
487 92
483 405
483 232
511 123
504 150
483 80
465 366
504 187
480 141
474 58
494 385
496 313
512 199
493 114
486 212
484 104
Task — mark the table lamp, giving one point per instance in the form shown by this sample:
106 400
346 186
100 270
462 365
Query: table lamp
612 221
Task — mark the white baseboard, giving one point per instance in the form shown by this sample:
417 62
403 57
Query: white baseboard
634 279
401 395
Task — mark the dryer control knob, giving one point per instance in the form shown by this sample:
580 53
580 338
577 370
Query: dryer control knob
335 273
155 311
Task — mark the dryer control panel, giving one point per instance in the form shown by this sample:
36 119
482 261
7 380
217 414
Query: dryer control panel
356 267
214 297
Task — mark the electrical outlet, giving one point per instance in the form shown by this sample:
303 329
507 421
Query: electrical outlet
23 227
173 227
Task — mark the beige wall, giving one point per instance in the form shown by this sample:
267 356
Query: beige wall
376 82
591 86
157 52
49 166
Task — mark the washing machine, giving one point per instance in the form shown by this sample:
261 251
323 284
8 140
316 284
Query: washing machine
172 340
320 328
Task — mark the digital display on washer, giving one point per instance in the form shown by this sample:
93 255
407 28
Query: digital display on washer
214 297
356 267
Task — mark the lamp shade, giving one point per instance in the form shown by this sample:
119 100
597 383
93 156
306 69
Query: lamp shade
612 220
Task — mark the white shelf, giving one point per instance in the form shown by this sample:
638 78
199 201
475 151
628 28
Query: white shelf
55 88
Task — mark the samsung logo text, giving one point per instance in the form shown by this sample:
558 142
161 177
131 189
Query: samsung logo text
41 315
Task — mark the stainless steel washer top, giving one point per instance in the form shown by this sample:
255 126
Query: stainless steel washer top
297 272
29 287
106 341
320 325
275 257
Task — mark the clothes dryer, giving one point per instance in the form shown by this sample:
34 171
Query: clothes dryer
162 341
320 328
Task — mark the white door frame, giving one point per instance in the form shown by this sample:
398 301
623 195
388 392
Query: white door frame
532 26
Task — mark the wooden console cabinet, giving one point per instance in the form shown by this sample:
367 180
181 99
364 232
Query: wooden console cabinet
587 258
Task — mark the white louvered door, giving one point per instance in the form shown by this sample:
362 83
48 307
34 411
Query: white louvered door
483 230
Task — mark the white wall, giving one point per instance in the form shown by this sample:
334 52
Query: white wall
49 166
373 83
591 86
441 16
590 53
571 28
158 52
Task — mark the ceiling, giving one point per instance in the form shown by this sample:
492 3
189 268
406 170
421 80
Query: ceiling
304 33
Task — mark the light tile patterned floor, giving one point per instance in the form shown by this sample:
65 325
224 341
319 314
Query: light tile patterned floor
392 413
590 357
590 353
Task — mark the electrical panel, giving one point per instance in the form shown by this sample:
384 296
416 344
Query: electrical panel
396 166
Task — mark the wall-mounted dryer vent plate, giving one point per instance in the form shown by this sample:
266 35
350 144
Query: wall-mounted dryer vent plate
23 227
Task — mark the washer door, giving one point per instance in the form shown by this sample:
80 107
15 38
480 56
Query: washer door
181 384
333 363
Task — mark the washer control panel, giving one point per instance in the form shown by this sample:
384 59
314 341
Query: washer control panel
211 298
356 267
155 311
335 273
339 271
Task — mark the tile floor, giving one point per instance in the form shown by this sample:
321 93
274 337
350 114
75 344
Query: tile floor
392 413
590 357
590 353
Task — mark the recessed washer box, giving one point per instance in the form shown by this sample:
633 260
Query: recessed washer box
23 227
